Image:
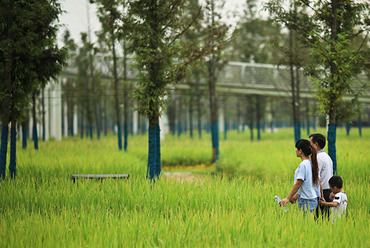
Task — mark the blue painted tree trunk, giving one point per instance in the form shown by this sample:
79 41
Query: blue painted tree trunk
82 131
154 153
191 132
225 131
332 134
360 128
179 129
158 167
215 141
173 130
91 128
44 133
208 128
251 130
35 137
199 130
125 135
243 128
3 150
24 136
258 131
348 128
119 138
297 131
13 150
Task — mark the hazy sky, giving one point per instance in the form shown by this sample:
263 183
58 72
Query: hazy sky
75 16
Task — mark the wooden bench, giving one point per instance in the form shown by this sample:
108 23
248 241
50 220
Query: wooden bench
100 176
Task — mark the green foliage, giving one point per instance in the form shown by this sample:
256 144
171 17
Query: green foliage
154 29
28 49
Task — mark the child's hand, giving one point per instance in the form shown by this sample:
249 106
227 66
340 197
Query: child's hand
322 201
331 196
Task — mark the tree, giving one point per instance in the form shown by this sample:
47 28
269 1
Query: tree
217 34
154 28
29 57
327 29
82 63
109 16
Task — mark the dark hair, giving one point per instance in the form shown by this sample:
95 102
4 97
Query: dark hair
308 150
319 139
336 181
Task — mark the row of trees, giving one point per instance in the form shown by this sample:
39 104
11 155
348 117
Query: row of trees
176 40
29 58
329 29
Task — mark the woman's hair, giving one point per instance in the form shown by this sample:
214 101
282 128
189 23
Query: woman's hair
308 150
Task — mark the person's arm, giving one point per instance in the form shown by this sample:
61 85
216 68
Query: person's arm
294 198
328 204
332 195
296 187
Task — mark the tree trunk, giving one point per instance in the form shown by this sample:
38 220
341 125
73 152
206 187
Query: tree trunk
179 117
105 116
238 114
82 123
125 97
191 116
43 113
333 72
359 126
13 149
94 95
258 116
25 131
308 116
154 148
199 117
118 112
7 86
294 83
212 96
34 122
3 149
225 118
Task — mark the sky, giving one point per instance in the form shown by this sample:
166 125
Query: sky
75 17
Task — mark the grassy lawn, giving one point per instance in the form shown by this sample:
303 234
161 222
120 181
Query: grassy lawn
232 203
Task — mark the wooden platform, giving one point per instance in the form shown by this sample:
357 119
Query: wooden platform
100 176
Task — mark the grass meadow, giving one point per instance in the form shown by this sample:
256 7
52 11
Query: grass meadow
230 204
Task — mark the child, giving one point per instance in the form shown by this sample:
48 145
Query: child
339 204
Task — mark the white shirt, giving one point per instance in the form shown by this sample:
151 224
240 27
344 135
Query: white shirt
325 168
337 211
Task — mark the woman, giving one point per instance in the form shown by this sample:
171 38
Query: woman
306 176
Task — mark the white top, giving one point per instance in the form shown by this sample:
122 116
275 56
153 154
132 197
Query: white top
325 168
337 211
304 173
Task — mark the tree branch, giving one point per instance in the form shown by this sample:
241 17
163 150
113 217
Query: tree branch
184 30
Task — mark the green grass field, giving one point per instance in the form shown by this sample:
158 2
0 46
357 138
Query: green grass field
233 206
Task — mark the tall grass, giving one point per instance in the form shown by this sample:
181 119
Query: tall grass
234 207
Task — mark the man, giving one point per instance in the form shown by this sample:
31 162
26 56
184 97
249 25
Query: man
325 163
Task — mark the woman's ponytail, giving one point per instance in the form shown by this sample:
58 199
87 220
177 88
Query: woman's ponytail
315 167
